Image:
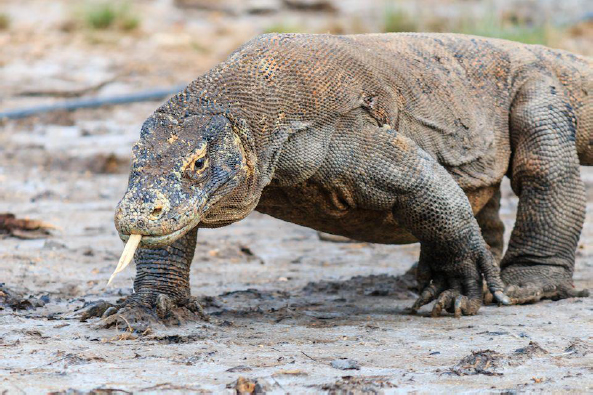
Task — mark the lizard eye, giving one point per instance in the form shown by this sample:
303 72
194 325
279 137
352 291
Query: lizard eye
198 169
199 164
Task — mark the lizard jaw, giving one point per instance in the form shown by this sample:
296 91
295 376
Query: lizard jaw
162 240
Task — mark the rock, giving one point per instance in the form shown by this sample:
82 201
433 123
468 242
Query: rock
345 364
248 386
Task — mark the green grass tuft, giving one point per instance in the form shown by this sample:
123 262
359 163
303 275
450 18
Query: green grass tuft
4 21
509 27
100 15
283 27
515 31
396 20
103 15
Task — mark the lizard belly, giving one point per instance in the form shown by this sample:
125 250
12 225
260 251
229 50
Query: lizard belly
319 209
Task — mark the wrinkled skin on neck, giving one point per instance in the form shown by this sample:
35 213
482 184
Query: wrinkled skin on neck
183 172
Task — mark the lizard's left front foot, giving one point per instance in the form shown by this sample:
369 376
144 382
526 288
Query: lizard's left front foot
162 294
456 284
532 283
138 315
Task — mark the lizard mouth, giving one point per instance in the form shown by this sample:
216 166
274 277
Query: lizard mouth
149 241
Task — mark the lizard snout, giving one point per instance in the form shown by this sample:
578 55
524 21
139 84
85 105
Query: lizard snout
144 214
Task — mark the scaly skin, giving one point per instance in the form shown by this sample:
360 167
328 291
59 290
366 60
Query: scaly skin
392 138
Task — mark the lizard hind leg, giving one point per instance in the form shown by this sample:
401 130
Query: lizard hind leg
539 262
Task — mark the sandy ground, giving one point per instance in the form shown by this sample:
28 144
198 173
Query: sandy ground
276 318
289 311
282 304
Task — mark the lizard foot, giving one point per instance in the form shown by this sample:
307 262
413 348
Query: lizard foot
532 283
456 285
139 316
451 300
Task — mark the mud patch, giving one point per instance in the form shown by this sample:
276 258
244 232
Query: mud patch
489 362
358 385
578 348
521 355
274 306
312 301
95 391
398 287
244 302
479 362
178 339
17 301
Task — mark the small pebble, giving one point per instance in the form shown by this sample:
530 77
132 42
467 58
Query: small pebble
345 364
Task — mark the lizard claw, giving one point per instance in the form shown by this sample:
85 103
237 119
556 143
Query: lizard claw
501 298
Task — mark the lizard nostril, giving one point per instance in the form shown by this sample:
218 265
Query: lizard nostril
157 211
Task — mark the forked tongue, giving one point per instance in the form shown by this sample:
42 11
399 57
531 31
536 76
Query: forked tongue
127 255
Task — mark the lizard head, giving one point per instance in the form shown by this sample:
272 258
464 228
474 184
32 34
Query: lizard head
181 169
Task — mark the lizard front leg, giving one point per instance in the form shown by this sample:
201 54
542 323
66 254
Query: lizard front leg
161 289
430 204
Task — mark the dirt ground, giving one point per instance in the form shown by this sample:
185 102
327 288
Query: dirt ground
289 312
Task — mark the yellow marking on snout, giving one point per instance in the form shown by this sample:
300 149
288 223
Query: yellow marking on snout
172 139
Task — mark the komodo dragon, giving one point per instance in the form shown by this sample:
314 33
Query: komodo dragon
383 138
